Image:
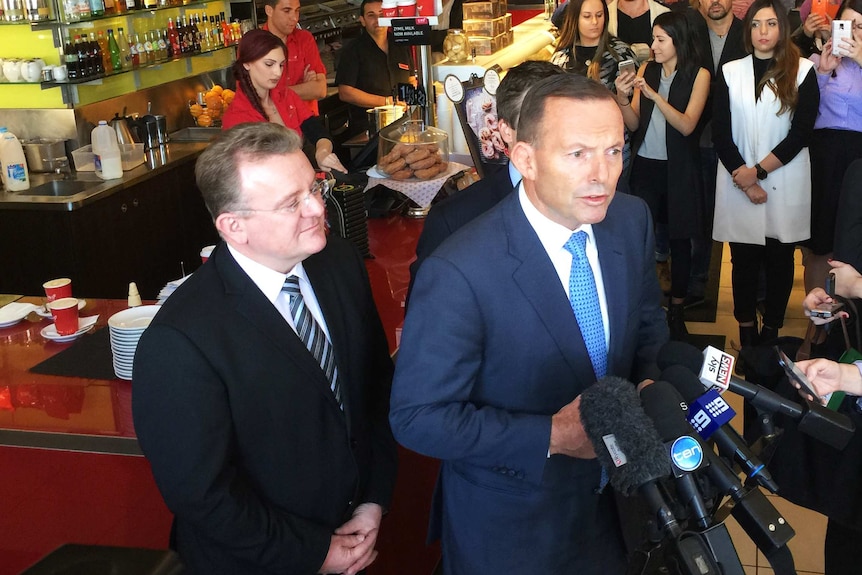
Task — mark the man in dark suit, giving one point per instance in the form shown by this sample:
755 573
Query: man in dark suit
474 200
272 449
497 348
718 36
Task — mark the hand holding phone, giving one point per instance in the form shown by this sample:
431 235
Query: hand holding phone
627 66
796 376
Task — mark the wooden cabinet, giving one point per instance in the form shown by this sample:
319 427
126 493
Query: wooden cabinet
148 233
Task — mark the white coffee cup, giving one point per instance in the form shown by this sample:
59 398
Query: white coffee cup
61 73
12 70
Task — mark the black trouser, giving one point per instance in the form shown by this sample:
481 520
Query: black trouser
777 260
843 552
650 182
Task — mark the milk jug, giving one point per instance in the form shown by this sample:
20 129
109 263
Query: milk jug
106 152
13 165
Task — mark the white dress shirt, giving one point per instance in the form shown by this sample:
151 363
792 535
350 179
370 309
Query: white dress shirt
554 237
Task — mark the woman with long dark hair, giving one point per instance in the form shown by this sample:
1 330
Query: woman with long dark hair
258 68
585 47
764 113
837 140
670 93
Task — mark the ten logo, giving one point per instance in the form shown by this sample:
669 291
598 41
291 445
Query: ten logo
686 453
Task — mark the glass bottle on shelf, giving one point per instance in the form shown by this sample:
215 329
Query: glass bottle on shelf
107 63
123 43
13 10
130 4
151 4
456 45
173 40
94 49
114 50
163 46
83 9
97 8
70 58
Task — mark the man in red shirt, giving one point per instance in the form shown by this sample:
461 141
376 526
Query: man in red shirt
304 71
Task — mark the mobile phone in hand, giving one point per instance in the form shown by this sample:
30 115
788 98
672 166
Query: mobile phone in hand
826 310
841 30
794 374
627 65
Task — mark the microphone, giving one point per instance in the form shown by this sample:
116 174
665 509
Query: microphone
752 509
716 370
685 453
709 414
627 444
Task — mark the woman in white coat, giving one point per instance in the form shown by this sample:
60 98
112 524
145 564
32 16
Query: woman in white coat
763 118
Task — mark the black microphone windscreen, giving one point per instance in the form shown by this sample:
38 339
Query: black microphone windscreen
680 353
684 381
625 439
664 405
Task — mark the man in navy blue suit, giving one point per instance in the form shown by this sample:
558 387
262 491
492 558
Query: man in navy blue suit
454 212
497 347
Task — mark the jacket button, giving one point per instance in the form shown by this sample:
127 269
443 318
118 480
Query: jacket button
512 473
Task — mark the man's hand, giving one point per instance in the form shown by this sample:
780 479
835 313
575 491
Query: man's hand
309 75
345 551
364 523
756 194
827 376
744 177
567 433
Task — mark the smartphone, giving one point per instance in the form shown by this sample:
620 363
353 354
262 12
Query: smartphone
627 65
841 30
795 374
826 310
830 284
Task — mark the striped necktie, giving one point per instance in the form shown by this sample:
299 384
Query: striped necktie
312 335
585 303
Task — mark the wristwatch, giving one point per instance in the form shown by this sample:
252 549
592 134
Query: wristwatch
761 172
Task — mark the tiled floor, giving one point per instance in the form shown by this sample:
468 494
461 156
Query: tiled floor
810 527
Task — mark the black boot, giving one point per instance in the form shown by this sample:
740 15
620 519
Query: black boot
748 339
767 334
676 322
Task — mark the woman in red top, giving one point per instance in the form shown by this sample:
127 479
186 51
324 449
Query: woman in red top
258 68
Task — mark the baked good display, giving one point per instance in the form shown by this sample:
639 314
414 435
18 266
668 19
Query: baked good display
410 150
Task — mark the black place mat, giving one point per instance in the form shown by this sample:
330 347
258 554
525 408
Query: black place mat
89 357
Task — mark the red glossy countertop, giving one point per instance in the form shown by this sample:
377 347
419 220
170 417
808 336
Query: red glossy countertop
95 415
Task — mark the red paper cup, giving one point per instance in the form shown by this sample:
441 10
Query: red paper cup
59 288
390 9
206 252
407 8
65 312
425 8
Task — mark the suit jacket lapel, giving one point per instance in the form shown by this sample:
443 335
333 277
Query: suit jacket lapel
614 277
537 278
250 303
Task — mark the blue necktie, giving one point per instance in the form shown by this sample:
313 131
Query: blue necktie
585 303
312 335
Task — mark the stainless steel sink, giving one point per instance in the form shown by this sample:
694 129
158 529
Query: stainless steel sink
58 188
195 134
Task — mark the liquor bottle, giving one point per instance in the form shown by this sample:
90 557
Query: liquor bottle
84 68
107 64
149 4
114 50
185 46
97 8
162 53
148 48
70 58
110 7
236 31
134 55
225 31
197 36
83 9
125 51
96 54
206 30
173 40
218 41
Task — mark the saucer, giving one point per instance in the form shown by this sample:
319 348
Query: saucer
14 312
41 311
85 324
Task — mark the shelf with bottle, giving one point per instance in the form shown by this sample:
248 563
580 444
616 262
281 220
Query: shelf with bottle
75 11
26 11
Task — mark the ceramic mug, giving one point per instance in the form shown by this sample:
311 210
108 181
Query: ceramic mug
31 70
12 70
61 73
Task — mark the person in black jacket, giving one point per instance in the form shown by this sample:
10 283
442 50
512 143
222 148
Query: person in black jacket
718 37
451 214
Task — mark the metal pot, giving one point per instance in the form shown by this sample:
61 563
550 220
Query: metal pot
42 153
121 127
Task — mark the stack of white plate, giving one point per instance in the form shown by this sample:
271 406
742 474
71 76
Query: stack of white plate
126 329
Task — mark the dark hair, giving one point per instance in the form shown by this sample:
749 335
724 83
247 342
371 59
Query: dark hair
855 5
570 86
362 6
217 169
676 26
570 37
271 3
514 86
255 44
780 77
